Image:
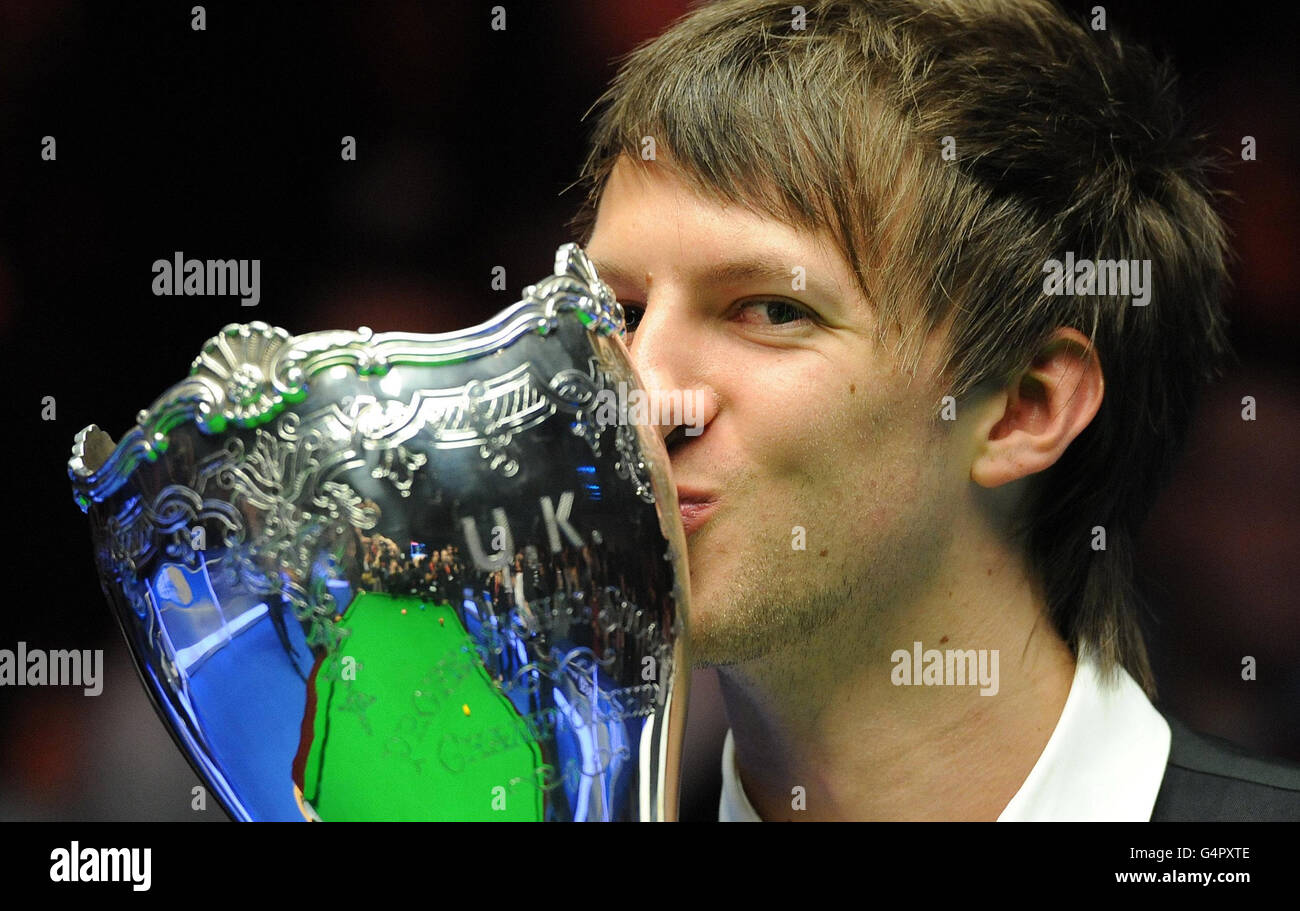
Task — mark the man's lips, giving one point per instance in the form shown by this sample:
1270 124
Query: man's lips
696 507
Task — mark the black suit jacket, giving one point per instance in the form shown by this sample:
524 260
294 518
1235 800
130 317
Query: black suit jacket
1211 780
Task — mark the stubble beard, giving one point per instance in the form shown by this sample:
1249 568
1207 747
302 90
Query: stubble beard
808 610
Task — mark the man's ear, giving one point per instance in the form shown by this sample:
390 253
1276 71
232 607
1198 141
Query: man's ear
1040 412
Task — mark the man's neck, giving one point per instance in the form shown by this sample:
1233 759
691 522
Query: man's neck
827 731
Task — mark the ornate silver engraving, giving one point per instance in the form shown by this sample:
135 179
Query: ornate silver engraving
398 466
247 374
243 366
630 465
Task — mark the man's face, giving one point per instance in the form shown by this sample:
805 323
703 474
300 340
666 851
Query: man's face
820 491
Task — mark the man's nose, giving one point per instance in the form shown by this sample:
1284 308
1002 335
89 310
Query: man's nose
669 360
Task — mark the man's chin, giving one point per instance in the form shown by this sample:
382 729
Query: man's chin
710 662
708 649
728 626
722 641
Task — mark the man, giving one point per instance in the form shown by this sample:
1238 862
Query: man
858 232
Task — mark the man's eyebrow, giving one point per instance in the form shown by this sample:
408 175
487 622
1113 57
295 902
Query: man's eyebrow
750 270
614 274
736 272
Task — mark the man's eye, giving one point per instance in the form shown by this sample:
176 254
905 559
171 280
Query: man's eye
632 314
777 312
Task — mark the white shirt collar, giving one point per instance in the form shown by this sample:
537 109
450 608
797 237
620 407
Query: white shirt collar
1104 761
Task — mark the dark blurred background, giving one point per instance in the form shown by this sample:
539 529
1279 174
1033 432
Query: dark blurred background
225 143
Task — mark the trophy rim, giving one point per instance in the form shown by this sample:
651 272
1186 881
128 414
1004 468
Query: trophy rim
249 373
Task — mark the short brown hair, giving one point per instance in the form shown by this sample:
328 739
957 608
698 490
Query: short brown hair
1062 139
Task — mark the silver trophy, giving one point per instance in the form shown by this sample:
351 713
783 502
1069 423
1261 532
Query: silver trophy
406 577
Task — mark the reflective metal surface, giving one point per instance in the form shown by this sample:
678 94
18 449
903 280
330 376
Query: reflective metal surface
400 576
